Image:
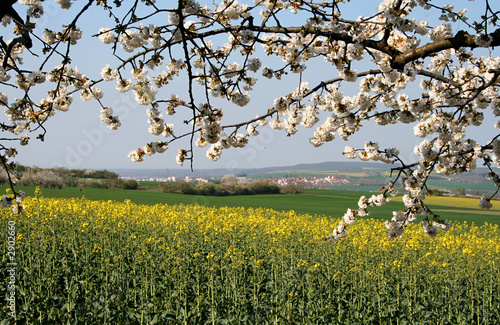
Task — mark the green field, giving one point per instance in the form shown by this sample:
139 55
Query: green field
331 203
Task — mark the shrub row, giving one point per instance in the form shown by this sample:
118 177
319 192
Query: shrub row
61 177
221 189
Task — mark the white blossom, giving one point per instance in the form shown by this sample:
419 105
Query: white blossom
241 99
441 32
483 40
350 152
254 64
252 130
109 74
430 229
106 36
349 217
485 203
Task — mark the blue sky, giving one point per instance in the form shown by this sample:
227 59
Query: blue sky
78 139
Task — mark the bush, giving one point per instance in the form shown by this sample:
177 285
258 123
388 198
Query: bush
229 178
115 183
243 189
130 185
185 187
179 187
264 187
220 188
95 184
460 192
208 189
168 187
438 192
292 188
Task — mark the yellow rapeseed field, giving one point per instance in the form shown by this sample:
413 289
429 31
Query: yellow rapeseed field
455 202
102 262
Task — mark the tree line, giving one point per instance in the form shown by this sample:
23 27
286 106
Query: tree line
219 188
62 177
230 185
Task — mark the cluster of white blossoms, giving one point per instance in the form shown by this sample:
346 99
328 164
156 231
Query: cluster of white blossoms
225 142
14 201
156 121
362 211
68 33
109 74
215 52
132 39
372 152
232 11
209 125
432 228
111 120
148 149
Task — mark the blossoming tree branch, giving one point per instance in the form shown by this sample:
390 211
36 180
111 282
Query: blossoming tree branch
221 50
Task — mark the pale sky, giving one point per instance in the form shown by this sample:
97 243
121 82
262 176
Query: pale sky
78 139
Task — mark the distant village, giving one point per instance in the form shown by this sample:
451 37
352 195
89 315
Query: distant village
306 182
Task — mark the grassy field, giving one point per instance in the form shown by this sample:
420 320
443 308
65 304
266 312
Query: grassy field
330 203
441 183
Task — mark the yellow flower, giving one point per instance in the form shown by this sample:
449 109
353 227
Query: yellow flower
97 248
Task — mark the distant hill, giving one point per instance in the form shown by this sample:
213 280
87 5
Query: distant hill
324 166
177 172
